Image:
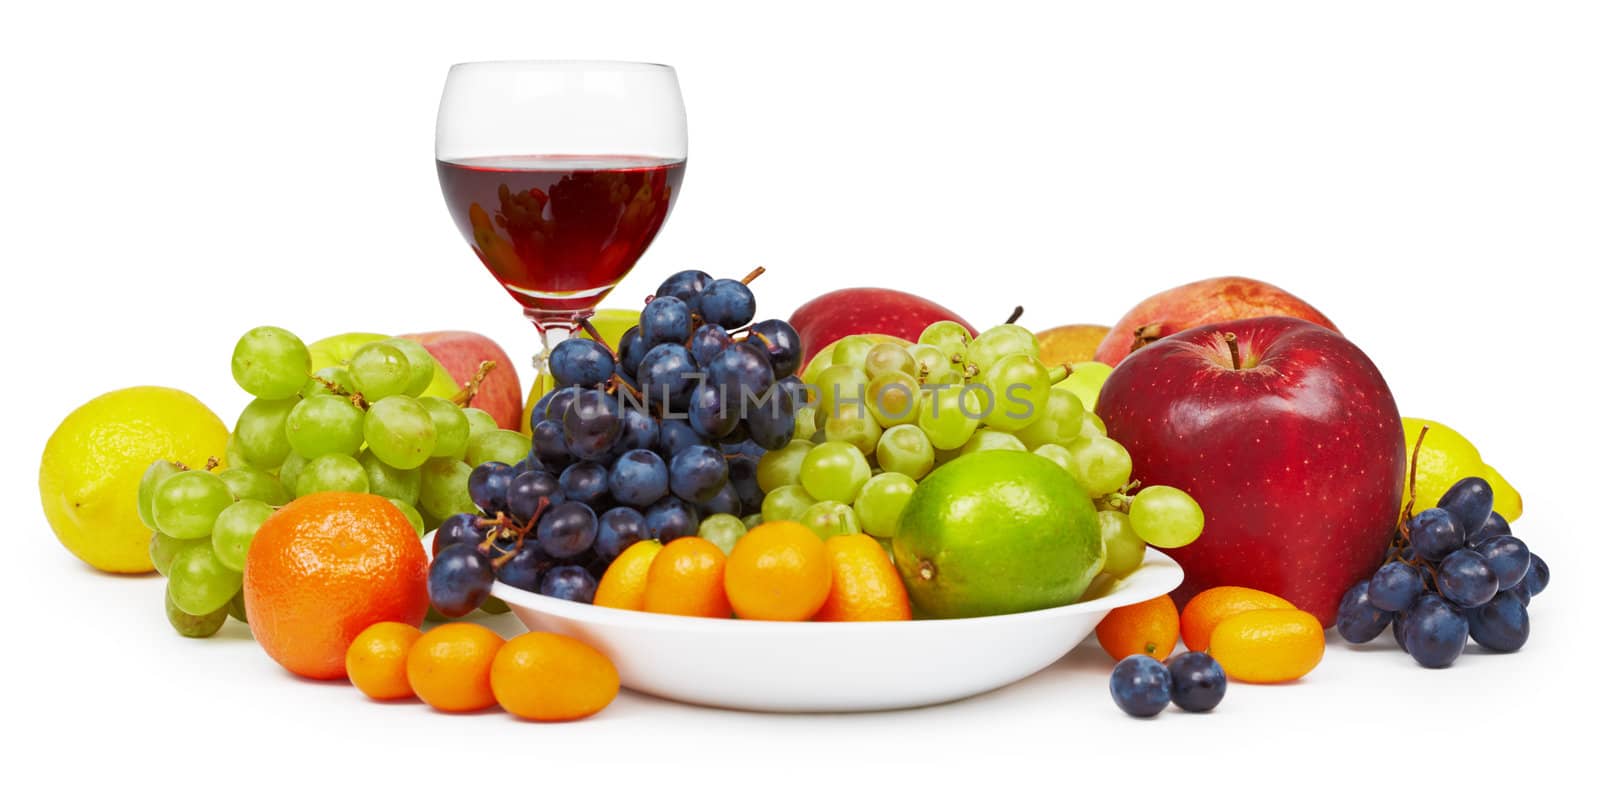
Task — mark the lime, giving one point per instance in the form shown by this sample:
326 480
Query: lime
997 532
90 471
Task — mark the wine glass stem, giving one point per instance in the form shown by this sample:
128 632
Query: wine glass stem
550 335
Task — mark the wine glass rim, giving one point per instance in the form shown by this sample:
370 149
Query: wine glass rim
561 62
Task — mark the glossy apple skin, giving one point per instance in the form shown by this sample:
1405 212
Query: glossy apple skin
846 312
1203 303
460 352
1297 458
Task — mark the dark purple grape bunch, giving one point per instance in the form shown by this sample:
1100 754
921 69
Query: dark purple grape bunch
640 442
698 355
1453 572
473 550
1142 686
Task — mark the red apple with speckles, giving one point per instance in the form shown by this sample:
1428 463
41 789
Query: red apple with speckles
847 312
1200 303
461 352
1296 454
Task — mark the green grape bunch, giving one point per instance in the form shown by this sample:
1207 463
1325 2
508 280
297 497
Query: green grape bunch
882 415
361 426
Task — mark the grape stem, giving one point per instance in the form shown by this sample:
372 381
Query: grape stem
212 463
1118 500
1059 373
1233 349
1016 314
583 322
1405 514
469 391
616 381
754 274
339 390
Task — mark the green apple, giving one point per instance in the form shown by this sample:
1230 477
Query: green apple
1085 381
338 350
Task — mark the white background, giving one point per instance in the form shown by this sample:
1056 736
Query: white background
1425 173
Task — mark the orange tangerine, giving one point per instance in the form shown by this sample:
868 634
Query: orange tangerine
866 586
778 571
448 666
685 579
549 677
1149 628
1268 645
1206 610
325 567
376 660
622 585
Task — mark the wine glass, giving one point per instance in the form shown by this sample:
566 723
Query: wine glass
559 174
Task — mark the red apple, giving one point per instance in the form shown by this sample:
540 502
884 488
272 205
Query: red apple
460 352
1296 454
846 312
1200 303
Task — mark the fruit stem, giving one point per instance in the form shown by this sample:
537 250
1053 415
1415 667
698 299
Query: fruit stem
212 463
583 322
333 388
1016 314
616 380
1405 514
1059 373
1144 335
469 391
1233 349
754 274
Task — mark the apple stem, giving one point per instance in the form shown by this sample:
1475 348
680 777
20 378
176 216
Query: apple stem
1233 349
1059 373
469 391
754 274
1144 335
1016 314
588 328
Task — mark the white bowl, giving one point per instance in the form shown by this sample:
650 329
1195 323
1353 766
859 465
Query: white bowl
832 666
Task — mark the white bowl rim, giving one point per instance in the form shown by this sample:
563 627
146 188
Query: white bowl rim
1164 573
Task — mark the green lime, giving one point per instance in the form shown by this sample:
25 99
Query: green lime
997 532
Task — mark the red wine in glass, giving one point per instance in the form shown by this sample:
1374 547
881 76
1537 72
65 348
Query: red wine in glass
559 174
559 231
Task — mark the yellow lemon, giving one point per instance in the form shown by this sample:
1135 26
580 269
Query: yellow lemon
1447 457
1507 501
89 474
